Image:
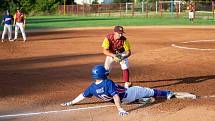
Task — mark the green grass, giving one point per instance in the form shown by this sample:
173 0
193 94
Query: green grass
77 21
36 22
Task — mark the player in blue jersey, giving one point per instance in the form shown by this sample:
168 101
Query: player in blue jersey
7 22
105 89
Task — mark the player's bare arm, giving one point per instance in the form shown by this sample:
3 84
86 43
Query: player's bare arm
79 98
117 102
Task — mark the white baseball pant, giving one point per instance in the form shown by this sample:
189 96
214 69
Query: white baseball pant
17 27
7 28
191 15
137 92
109 62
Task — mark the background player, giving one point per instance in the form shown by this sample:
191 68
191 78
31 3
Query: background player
117 48
19 23
190 9
105 89
7 22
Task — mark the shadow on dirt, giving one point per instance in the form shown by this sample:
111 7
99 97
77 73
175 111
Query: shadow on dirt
19 81
45 59
185 80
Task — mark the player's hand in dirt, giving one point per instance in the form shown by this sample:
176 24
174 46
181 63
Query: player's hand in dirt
122 112
67 104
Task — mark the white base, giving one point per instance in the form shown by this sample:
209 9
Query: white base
184 95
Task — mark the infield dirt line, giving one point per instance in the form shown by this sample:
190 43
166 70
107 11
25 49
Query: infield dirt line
48 112
74 109
191 48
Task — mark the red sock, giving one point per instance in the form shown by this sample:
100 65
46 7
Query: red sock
125 75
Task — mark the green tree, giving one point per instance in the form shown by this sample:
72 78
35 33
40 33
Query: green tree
47 6
27 5
95 2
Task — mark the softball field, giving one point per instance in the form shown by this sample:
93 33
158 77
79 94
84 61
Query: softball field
54 66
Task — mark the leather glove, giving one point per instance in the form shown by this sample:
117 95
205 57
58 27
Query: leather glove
122 112
118 58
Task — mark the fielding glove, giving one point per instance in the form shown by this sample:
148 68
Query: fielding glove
118 57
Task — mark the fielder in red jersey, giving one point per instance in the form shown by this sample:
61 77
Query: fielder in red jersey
117 48
19 23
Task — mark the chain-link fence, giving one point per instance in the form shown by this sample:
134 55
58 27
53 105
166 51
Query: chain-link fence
176 9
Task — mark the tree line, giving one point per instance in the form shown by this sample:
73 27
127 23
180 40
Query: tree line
31 6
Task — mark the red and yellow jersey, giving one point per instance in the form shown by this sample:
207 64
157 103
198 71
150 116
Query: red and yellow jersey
190 8
19 17
113 45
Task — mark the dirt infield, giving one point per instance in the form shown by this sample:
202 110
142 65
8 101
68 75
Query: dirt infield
54 66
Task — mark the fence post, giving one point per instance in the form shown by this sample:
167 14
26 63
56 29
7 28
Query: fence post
176 9
72 9
160 7
213 9
120 9
156 7
59 10
98 10
171 7
194 11
109 8
179 6
83 9
77 9
133 8
64 8
126 7
147 9
142 6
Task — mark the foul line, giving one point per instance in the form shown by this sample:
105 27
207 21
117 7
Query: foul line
190 48
210 96
57 111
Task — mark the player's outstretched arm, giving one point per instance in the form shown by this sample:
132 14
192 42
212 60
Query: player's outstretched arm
79 98
117 102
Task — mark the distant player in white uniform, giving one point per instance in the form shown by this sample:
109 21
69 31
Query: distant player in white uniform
7 22
19 23
105 89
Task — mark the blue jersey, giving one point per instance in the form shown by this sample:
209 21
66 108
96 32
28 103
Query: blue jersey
105 90
8 19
